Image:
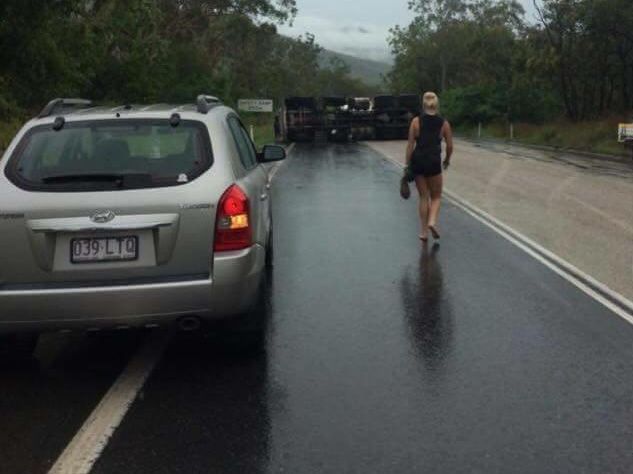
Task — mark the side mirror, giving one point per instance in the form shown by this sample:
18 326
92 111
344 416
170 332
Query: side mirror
272 153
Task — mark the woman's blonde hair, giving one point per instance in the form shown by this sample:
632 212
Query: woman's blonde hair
430 103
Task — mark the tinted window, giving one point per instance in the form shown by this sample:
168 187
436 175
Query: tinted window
85 155
248 157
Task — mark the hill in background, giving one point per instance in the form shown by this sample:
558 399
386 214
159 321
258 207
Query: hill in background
369 71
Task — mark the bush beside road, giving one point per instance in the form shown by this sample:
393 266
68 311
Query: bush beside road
599 136
264 135
7 132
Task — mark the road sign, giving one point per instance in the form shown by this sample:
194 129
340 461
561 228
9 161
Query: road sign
255 105
625 132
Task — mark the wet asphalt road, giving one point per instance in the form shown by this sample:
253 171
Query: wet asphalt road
381 356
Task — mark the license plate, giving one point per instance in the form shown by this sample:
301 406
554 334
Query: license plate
103 249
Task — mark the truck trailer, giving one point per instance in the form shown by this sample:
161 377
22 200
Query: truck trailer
301 118
336 118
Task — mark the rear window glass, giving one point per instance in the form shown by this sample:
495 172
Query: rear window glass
106 155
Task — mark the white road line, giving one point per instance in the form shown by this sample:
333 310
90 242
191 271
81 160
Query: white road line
589 285
557 266
92 438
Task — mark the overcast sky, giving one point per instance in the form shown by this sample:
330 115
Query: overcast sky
357 27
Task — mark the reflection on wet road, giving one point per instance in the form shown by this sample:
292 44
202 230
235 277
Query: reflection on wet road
428 312
384 355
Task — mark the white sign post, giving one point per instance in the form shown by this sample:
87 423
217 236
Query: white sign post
255 105
625 135
625 132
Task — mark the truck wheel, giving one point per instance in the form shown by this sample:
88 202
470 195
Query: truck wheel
15 348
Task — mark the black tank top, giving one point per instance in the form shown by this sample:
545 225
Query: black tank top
429 142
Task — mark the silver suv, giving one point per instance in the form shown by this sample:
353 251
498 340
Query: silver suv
131 216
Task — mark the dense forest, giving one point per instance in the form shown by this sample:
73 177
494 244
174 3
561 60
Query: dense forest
156 51
490 63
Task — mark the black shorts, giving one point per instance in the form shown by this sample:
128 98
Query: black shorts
426 166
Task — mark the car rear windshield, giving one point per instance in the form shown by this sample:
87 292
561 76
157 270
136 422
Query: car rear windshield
107 155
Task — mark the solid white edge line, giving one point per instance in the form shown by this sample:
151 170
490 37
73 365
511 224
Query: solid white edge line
570 268
560 271
92 438
559 265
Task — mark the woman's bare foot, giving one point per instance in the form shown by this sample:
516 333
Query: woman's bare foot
424 238
434 232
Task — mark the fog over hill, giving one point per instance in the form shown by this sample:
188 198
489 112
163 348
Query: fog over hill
370 71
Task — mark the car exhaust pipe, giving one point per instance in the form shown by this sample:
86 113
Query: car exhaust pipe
189 323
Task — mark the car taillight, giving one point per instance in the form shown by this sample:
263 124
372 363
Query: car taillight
232 227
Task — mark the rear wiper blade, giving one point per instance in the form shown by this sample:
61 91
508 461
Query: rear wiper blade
119 178
64 178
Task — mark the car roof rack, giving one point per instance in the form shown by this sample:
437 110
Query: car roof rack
204 103
57 106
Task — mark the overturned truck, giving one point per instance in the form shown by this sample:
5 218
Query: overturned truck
301 119
336 118
340 119
393 115
361 110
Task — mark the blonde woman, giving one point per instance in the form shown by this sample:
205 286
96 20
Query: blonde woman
424 161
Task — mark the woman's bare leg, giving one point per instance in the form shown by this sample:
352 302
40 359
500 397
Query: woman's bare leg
423 191
434 184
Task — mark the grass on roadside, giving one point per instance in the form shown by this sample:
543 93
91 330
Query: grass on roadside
599 136
8 131
263 127
264 135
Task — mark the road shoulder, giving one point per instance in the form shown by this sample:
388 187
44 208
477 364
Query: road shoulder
581 214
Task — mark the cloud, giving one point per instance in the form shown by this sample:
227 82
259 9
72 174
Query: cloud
358 39
355 29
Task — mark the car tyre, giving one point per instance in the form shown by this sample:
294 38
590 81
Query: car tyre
246 333
17 348
270 252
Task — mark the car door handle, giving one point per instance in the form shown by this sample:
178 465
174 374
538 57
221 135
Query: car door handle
263 197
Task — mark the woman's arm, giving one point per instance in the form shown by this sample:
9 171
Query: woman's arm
411 143
447 133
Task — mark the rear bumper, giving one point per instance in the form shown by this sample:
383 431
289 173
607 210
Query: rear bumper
231 291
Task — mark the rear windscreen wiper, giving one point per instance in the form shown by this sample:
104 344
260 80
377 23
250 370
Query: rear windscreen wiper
120 179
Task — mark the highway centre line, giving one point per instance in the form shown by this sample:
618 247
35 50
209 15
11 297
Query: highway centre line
88 444
612 300
92 438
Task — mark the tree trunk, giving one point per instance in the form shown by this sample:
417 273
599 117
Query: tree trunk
611 91
625 81
630 103
443 72
601 104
